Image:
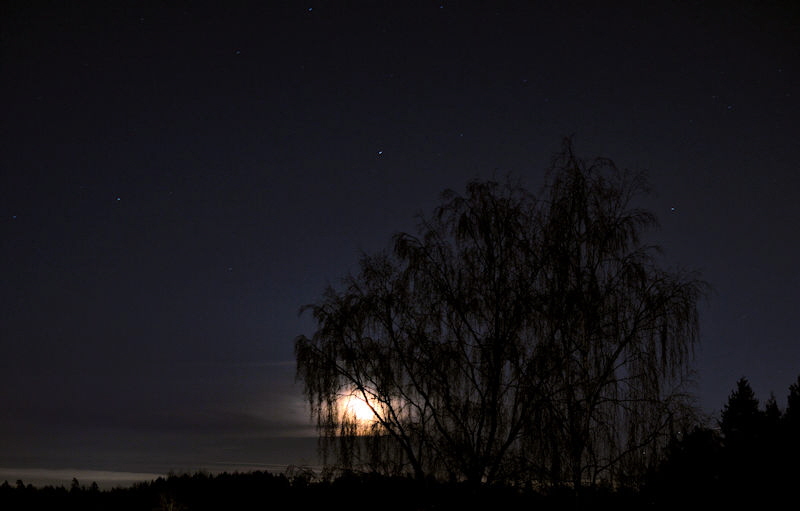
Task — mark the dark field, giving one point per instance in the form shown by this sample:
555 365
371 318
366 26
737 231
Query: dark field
263 490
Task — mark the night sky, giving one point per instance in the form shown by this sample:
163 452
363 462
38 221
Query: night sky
176 182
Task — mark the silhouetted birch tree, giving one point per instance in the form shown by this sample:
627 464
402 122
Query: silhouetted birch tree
511 338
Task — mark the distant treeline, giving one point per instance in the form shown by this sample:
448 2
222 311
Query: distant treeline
264 490
750 456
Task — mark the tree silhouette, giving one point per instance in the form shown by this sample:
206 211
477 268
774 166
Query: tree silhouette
792 414
790 422
436 339
615 327
750 459
741 419
772 414
510 338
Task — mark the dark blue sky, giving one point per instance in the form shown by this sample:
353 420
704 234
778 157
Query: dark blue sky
175 182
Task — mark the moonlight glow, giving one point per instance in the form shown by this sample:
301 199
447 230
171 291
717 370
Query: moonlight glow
355 407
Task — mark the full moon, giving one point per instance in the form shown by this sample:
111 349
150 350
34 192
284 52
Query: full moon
354 405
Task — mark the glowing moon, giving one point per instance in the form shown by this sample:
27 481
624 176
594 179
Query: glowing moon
354 406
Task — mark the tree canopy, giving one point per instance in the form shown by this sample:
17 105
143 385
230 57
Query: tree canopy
512 338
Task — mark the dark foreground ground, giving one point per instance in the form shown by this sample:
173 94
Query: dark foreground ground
264 491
